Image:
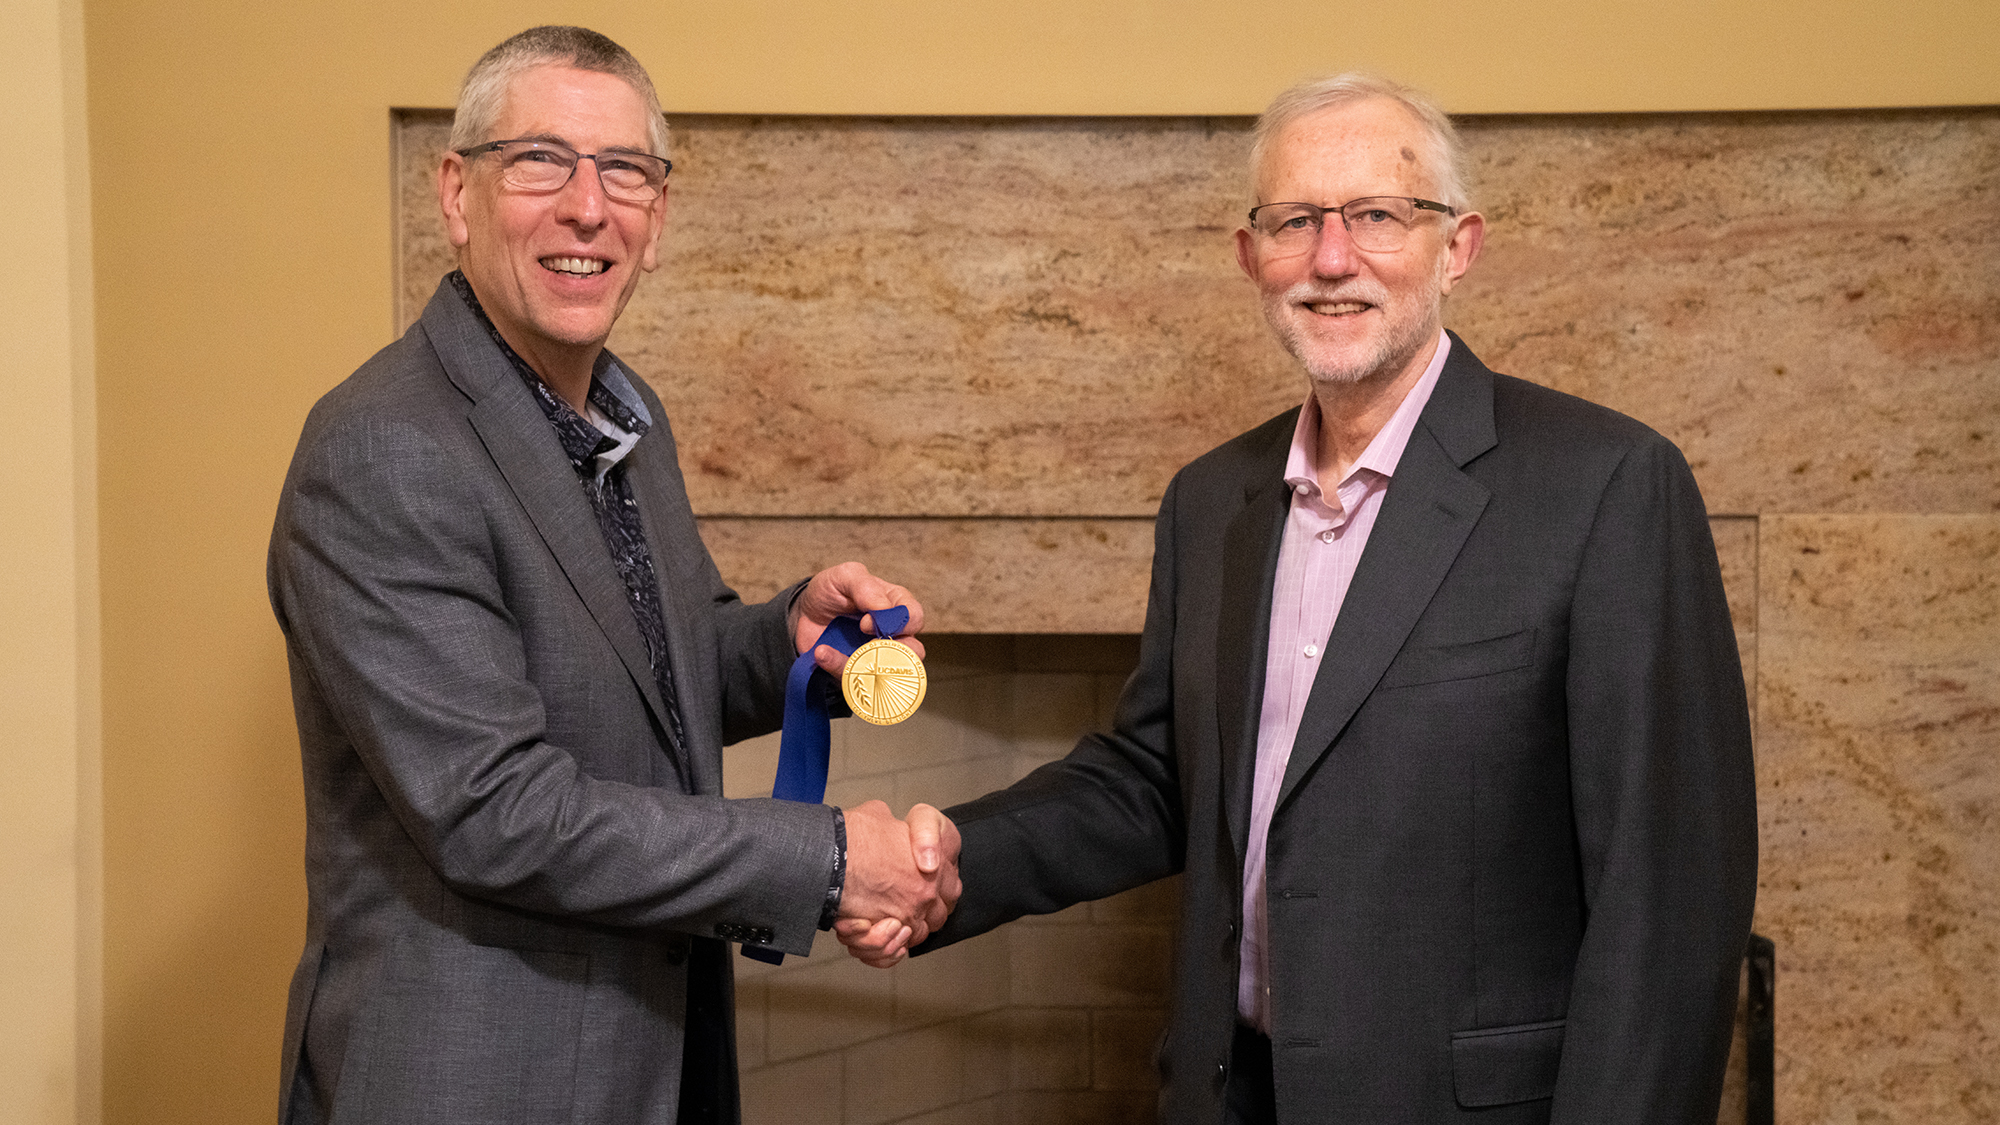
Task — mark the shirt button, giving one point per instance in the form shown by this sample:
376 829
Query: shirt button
1326 536
1302 489
1312 650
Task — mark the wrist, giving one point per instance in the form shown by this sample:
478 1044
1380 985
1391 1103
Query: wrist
836 880
793 614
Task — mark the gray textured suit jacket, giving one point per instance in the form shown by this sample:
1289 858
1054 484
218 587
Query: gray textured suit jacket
516 881
1511 869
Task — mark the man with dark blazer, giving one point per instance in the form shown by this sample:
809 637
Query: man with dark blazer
514 668
1438 709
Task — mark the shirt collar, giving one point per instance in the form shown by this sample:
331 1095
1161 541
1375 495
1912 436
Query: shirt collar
1384 452
618 416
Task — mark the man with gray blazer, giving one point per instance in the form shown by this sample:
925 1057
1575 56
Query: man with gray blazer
1438 709
515 666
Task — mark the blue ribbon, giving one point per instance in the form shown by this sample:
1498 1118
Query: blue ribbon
807 741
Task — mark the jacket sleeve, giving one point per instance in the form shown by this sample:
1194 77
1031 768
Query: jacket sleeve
1104 819
1664 807
386 577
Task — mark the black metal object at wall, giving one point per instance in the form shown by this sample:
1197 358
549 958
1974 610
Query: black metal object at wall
1760 1032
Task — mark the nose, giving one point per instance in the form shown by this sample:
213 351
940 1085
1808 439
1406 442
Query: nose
581 200
1333 254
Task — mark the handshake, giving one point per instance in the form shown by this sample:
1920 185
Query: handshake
902 881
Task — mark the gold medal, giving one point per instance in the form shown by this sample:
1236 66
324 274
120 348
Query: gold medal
883 681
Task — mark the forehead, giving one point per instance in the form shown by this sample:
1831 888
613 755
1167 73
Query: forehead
1369 147
583 107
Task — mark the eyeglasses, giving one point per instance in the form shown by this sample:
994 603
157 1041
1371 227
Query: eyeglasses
634 177
1377 223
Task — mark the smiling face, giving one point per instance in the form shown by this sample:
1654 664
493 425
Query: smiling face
554 269
1350 316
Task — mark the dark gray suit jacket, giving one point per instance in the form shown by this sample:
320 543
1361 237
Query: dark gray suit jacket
516 880
1511 869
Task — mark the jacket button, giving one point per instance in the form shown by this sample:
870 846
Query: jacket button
1222 1072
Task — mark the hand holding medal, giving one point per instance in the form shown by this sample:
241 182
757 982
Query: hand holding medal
882 678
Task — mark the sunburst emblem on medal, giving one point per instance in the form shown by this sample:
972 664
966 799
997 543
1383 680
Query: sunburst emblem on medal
884 681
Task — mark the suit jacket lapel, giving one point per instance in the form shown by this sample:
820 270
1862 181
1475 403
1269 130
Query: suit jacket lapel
1243 627
653 472
1429 511
531 459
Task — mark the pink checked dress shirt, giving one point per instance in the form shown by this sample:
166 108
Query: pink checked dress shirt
1324 538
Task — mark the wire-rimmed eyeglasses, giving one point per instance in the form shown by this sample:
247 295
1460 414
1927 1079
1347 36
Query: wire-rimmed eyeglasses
538 165
1377 223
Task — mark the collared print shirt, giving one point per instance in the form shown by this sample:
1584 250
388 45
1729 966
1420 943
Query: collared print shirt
1324 537
597 447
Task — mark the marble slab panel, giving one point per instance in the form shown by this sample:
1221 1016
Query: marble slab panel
1879 792
1807 303
1042 317
972 575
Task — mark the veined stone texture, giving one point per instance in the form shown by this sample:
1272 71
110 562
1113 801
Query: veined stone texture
1043 317
972 575
1807 303
1879 787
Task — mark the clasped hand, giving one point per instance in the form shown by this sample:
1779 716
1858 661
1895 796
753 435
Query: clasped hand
902 881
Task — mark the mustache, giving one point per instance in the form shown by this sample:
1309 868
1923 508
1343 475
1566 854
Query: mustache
1308 292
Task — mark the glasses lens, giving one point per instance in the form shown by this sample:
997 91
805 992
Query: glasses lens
536 166
632 177
1289 224
1381 223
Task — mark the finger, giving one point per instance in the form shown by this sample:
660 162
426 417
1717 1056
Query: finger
853 925
926 835
916 609
882 944
884 961
829 660
854 931
890 597
935 915
950 887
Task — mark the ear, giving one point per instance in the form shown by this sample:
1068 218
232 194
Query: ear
1466 242
451 199
649 260
1246 252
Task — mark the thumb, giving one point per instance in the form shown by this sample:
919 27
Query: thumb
926 828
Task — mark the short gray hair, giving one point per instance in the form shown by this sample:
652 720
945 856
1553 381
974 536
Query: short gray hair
483 94
1446 156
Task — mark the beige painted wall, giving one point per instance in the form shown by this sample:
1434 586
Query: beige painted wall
48 821
242 265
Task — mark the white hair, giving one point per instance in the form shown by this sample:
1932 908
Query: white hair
483 94
1446 155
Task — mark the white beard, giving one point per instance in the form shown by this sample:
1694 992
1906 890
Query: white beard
1407 329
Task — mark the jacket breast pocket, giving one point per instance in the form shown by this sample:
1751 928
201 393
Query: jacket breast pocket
1503 1065
1464 661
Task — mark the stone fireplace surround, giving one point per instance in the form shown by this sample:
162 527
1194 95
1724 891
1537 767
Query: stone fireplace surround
972 350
